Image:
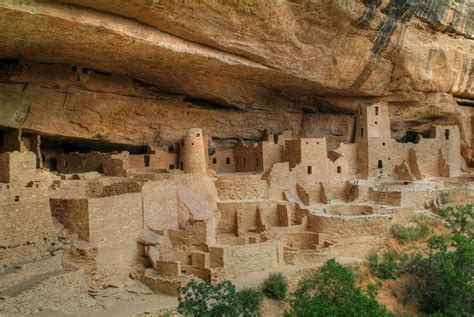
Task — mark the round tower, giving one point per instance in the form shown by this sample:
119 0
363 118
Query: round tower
192 152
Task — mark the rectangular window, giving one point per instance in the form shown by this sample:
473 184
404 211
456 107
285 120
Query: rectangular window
380 164
227 160
146 160
376 111
339 169
214 161
446 134
181 166
310 170
361 132
171 167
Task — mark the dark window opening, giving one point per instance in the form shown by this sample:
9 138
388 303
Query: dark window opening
383 143
245 161
446 134
214 161
380 165
227 160
171 148
361 132
74 68
376 111
43 158
307 142
146 160
339 169
375 122
192 143
198 134
317 143
181 166
17 198
310 170
171 167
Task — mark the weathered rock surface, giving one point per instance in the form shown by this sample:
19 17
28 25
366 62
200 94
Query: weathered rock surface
138 72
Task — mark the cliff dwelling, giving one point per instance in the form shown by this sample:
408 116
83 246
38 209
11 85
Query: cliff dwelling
141 148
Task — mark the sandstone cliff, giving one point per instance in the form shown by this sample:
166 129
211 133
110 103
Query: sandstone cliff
142 71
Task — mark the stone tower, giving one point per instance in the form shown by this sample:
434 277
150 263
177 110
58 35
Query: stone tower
192 152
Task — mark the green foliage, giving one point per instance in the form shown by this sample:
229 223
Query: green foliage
331 291
445 278
385 268
406 234
275 286
204 299
445 197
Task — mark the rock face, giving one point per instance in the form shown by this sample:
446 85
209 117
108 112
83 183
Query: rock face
141 72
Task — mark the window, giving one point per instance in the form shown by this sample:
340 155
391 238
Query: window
376 111
375 122
361 132
146 160
17 198
192 143
383 143
214 161
227 160
310 170
198 134
171 167
339 169
170 148
317 143
380 164
181 166
446 134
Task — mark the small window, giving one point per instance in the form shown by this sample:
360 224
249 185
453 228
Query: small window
310 170
192 143
383 143
361 132
17 198
171 167
339 169
198 134
376 122
317 143
181 165
227 160
376 111
146 160
380 165
171 148
307 142
446 134
74 68
214 161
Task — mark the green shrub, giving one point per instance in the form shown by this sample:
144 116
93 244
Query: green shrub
444 280
204 299
445 197
407 234
249 300
275 286
385 268
331 291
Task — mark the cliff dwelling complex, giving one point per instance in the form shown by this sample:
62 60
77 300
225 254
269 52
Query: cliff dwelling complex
146 144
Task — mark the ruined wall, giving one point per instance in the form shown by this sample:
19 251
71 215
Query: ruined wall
241 187
25 215
243 259
222 160
346 227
